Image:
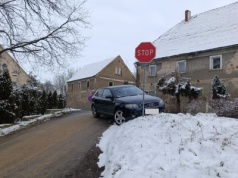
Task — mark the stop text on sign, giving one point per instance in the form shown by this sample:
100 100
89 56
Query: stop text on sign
145 52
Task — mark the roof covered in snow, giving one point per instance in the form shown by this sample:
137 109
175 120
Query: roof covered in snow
209 30
91 70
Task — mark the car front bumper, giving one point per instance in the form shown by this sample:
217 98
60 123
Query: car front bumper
130 114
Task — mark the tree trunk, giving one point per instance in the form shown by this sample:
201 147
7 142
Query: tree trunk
178 103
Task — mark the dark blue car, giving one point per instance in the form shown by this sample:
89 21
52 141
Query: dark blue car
123 102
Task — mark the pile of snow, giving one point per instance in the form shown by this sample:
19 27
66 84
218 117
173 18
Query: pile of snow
22 124
171 146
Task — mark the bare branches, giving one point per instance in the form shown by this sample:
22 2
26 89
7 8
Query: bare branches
43 32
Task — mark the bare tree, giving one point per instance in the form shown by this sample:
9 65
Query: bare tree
61 79
43 32
47 86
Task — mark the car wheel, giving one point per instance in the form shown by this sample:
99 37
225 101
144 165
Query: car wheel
118 117
94 112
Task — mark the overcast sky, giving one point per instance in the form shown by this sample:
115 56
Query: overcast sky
119 26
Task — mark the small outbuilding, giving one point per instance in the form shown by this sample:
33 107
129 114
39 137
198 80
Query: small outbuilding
86 81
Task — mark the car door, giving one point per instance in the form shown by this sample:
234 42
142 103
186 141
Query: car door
97 100
107 102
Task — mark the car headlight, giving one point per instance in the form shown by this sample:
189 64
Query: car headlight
131 106
161 103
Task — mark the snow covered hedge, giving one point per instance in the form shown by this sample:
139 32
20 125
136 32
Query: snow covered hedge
19 101
224 107
177 86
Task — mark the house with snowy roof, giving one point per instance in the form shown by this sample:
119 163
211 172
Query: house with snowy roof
199 47
86 81
17 74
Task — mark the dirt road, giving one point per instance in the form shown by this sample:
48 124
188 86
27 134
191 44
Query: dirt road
52 149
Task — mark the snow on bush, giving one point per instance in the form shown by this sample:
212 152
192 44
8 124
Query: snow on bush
176 86
193 107
219 88
225 107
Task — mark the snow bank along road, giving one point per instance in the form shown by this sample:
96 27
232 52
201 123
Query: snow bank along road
50 149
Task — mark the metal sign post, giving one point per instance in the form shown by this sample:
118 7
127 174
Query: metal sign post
145 53
143 103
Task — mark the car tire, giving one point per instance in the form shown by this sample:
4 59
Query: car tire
94 112
118 117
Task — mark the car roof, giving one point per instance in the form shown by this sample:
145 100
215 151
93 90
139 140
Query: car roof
118 86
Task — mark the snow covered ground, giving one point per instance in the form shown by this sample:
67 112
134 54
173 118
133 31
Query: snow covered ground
7 128
171 146
165 146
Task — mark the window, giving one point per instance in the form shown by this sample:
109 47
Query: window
110 83
79 85
118 71
15 73
72 87
216 62
87 84
106 93
99 92
181 66
152 70
4 67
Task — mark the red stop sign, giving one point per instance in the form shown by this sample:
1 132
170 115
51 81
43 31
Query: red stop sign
145 52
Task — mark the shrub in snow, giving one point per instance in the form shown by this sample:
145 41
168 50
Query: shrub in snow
185 89
42 103
33 82
167 85
54 100
50 100
26 101
19 101
61 103
177 86
224 107
218 89
15 99
7 114
193 107
5 86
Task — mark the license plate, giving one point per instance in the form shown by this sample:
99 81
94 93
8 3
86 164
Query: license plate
151 111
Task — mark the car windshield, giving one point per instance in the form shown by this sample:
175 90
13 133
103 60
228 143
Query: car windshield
126 91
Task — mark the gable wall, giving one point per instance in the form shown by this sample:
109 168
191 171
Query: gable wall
198 69
79 98
109 71
17 74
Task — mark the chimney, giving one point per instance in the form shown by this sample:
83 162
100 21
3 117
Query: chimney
187 15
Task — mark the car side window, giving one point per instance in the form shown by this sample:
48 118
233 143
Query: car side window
106 93
99 93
